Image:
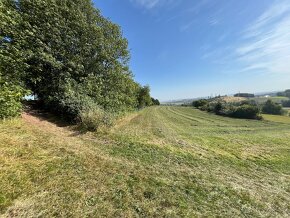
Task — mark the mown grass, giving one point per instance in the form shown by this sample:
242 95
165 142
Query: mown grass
160 162
277 118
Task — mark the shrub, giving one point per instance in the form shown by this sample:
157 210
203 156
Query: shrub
76 106
155 101
247 102
200 103
144 98
245 95
218 107
284 94
245 111
10 99
286 103
272 108
95 119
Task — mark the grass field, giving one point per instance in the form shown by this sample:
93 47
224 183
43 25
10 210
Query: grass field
159 162
277 118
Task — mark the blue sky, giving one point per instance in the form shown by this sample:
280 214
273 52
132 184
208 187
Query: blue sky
194 48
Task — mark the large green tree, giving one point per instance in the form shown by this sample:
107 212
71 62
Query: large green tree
69 40
144 98
12 60
12 65
65 52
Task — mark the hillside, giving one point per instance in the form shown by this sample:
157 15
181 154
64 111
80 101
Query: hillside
259 98
159 162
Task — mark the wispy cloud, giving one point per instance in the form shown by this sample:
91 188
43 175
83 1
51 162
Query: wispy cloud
194 10
187 26
267 41
270 16
214 21
262 47
215 18
150 4
197 8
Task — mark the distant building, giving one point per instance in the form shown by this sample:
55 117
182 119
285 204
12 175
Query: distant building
245 95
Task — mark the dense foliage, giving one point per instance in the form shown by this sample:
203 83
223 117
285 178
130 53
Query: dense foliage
69 55
199 103
10 99
155 101
286 103
284 94
271 107
245 95
12 63
144 98
243 110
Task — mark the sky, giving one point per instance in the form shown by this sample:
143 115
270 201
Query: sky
195 48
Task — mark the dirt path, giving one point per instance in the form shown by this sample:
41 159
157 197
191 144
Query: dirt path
47 123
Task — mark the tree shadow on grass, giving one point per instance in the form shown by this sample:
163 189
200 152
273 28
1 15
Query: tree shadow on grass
36 110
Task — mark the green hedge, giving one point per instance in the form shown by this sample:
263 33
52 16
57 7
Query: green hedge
243 110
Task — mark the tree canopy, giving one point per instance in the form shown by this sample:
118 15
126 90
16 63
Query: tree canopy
271 107
63 49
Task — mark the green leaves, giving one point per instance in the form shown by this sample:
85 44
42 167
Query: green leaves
144 98
10 99
271 107
58 44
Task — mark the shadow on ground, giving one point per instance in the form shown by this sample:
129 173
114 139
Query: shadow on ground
35 113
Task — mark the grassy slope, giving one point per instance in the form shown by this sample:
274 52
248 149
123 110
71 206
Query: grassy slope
162 161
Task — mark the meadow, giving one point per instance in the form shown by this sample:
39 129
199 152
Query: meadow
158 162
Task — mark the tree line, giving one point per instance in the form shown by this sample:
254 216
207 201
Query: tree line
286 93
67 54
247 109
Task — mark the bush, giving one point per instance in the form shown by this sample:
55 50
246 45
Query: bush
219 106
155 101
272 108
10 99
245 95
78 107
95 119
286 103
245 112
284 94
244 109
200 103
